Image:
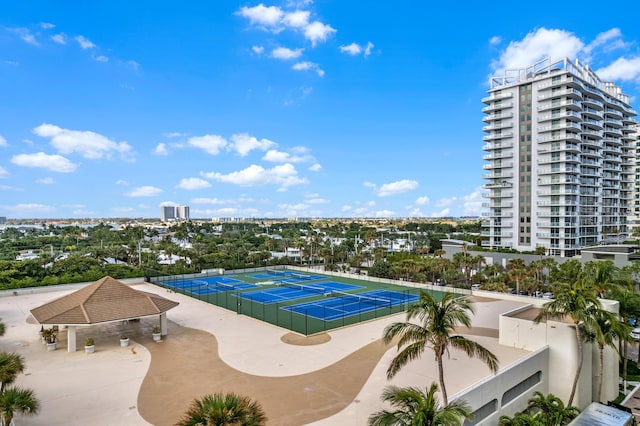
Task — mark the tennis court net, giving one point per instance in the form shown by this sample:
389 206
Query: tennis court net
201 284
305 288
378 302
275 272
301 276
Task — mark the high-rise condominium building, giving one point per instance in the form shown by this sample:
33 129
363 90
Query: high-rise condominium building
560 159
182 212
167 213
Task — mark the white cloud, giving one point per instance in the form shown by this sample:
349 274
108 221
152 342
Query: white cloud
30 209
306 65
284 175
297 19
55 163
219 201
441 213
211 144
133 65
46 181
537 45
446 202
3 172
354 49
602 38
26 36
385 213
3 141
258 49
88 144
47 25
472 203
346 208
193 183
317 200
243 144
285 53
317 31
369 184
275 156
262 15
495 40
101 58
144 191
315 167
397 187
161 149
59 38
421 201
625 69
84 42
122 182
174 135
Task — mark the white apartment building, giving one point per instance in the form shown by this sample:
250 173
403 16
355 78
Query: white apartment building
171 213
560 159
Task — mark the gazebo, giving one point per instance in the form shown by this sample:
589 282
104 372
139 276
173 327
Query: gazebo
106 300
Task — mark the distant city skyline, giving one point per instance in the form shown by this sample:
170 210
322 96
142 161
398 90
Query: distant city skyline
273 109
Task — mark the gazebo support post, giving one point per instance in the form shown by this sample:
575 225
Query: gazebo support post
163 324
71 338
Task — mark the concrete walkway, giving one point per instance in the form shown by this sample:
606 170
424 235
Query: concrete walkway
328 379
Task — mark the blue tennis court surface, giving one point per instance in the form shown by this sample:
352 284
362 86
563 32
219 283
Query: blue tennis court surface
292 291
209 285
287 275
345 305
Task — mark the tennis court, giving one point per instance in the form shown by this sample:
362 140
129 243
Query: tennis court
341 305
289 290
210 285
306 302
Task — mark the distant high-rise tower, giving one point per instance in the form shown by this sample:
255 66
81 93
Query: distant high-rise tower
167 213
182 212
560 159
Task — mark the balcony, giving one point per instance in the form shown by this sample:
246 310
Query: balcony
569 103
570 93
496 165
497 106
497 96
497 156
497 145
497 185
496 126
492 117
497 136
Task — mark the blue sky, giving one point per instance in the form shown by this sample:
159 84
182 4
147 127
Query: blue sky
276 109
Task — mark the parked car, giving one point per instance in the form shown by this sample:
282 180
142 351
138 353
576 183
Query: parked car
475 287
635 333
548 295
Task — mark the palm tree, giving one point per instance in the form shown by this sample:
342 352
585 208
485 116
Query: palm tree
224 409
17 400
629 308
605 330
575 300
551 409
11 364
602 275
521 419
437 323
415 406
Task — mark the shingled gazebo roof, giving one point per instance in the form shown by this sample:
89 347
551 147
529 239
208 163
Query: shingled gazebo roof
105 300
